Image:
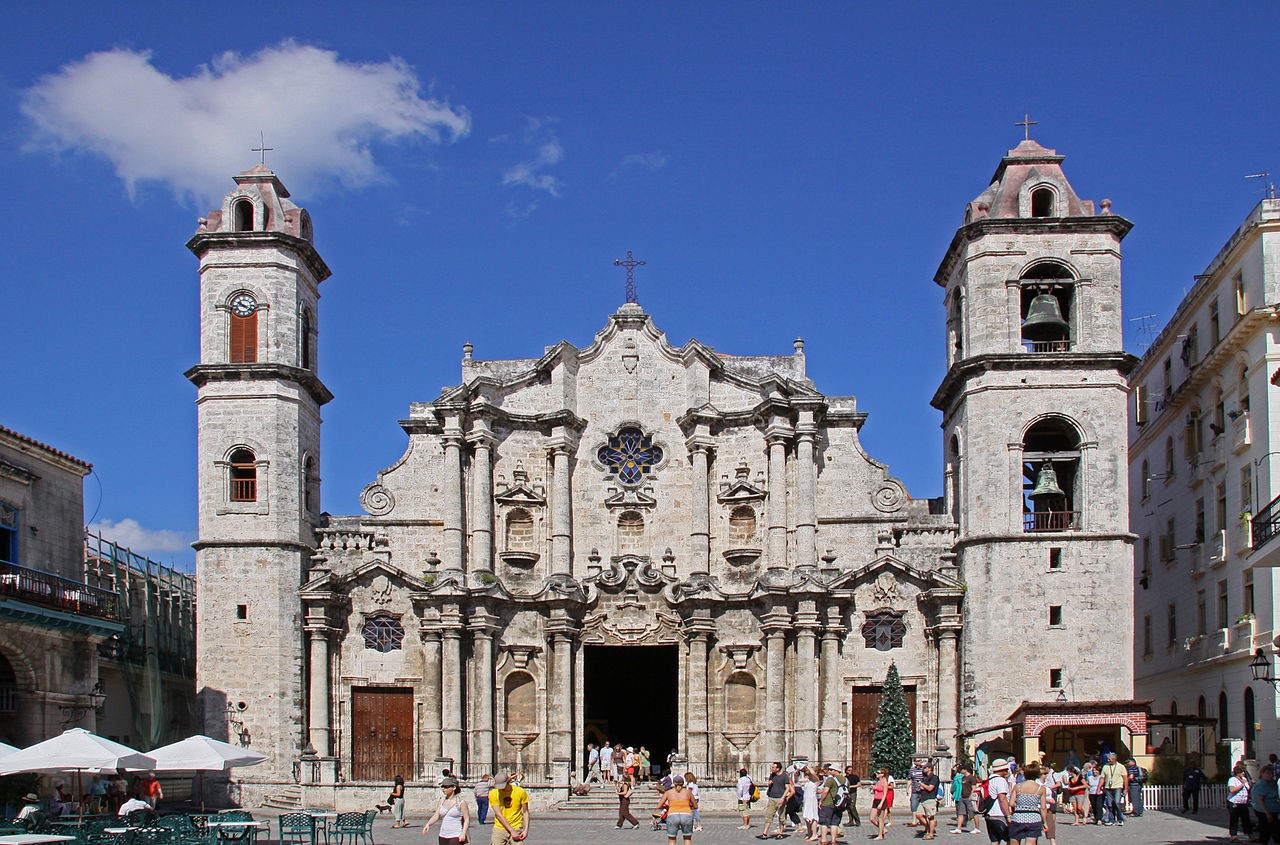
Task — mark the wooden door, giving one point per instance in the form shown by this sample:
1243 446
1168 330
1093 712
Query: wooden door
382 734
865 706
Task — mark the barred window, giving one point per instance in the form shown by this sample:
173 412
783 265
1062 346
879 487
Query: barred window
383 632
884 630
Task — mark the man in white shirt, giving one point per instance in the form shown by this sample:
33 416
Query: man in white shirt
593 764
744 798
133 804
998 815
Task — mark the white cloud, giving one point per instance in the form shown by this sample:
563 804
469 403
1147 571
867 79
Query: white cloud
653 162
321 114
145 541
548 152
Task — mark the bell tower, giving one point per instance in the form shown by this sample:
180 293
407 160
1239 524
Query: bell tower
1035 455
258 413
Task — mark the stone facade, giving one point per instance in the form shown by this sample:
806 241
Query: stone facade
637 496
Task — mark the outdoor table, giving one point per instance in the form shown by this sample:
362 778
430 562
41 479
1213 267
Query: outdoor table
324 821
33 839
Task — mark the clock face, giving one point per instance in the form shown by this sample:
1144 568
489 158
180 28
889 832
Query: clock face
243 304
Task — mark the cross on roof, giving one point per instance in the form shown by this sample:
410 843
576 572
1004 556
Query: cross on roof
1026 123
631 264
261 148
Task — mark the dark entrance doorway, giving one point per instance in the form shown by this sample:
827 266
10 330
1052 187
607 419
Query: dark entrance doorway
864 711
631 696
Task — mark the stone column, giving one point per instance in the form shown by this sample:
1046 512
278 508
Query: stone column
561 449
806 492
481 440
698 633
561 631
948 686
319 725
451 496
452 702
805 734
700 531
777 435
484 626
431 692
774 625
831 733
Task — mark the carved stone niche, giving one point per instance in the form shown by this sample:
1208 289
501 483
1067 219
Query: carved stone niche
739 653
521 510
742 499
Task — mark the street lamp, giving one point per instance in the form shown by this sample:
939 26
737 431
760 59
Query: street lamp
1260 665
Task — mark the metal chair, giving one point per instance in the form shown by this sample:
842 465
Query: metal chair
297 827
351 826
369 817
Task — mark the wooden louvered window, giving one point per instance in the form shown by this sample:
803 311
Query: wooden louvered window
244 339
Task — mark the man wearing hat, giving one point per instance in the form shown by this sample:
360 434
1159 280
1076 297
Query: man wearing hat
32 805
998 789
510 805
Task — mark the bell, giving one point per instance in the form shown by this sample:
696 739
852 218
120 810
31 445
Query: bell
1044 319
1046 484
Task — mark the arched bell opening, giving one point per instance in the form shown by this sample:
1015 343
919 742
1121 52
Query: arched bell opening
1050 471
1048 297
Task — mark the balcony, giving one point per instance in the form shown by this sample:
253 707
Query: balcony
1043 346
1043 521
1241 437
1265 523
40 588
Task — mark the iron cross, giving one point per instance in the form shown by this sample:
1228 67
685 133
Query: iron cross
1026 123
262 148
631 264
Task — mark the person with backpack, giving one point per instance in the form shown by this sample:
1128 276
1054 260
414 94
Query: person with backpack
747 793
995 804
833 800
962 790
1137 777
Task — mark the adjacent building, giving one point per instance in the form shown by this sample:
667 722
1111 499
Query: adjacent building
1204 471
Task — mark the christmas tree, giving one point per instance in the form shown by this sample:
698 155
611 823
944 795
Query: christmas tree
893 744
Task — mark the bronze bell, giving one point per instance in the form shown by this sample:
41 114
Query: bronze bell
1044 319
1046 484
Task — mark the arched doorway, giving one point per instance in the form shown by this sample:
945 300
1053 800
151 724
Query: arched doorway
631 697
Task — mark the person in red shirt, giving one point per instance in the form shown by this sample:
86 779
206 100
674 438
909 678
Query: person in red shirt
151 791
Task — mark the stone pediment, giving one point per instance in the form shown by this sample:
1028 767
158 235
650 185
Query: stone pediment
628 574
741 489
344 582
630 624
880 582
625 497
520 492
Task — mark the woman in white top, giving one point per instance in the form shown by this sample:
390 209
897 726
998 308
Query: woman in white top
453 814
809 807
1238 803
691 783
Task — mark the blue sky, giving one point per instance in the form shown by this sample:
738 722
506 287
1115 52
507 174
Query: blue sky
474 168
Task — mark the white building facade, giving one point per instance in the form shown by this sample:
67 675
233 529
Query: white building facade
1204 429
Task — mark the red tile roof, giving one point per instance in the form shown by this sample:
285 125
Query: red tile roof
45 446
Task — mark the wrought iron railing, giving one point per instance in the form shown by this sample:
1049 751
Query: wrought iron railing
1051 521
1046 345
1266 523
46 590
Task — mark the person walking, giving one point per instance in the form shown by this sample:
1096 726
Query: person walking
852 780
453 813
809 803
679 803
913 777
644 764
962 792
1115 782
777 794
1030 802
833 795
1265 800
396 802
691 783
1238 786
1093 780
625 787
1077 797
998 791
511 814
927 805
881 802
482 788
606 762
593 763
744 792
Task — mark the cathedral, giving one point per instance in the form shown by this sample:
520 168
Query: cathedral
708 523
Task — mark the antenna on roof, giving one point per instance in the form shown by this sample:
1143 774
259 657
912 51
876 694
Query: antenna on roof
1268 185
1146 330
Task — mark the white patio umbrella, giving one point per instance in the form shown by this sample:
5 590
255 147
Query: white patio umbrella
202 754
74 750
6 749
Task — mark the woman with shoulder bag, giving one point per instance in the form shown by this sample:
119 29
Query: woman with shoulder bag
1029 801
624 802
1238 803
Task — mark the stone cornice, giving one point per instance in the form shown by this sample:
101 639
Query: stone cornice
202 374
1005 226
201 243
967 368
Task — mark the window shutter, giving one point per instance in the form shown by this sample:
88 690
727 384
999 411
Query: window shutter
244 339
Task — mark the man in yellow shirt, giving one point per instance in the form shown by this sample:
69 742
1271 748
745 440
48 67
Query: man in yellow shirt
510 805
1115 783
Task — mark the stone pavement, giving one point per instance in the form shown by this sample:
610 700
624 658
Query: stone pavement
1153 828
